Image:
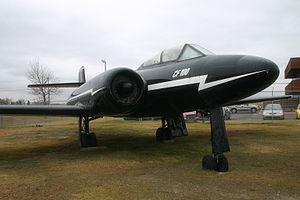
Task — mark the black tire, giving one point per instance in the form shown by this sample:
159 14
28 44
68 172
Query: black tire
167 134
253 110
209 162
233 110
88 140
93 139
84 140
163 134
222 164
159 135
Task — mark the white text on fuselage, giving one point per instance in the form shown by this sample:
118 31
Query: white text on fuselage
181 72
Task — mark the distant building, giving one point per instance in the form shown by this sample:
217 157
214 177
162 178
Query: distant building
292 71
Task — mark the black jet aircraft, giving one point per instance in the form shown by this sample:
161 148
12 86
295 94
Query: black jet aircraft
177 80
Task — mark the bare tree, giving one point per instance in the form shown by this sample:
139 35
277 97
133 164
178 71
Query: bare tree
39 74
20 102
5 101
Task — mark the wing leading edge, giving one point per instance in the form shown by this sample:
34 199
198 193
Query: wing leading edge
259 98
61 110
75 84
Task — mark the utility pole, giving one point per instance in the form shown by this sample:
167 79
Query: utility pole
272 104
104 61
48 90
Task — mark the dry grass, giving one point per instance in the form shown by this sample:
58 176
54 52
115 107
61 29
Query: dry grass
45 162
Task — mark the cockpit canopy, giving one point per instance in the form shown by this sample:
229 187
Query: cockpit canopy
179 53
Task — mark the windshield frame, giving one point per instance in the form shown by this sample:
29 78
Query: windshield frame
183 51
171 50
183 48
201 49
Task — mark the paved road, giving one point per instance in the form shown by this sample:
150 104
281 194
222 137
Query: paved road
257 116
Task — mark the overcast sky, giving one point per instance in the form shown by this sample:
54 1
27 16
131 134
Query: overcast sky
65 35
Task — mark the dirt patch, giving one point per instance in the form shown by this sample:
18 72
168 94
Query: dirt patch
263 148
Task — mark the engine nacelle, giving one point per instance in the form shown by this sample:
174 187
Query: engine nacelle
124 89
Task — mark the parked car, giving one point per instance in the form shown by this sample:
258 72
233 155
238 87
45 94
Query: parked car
273 111
244 107
193 116
298 112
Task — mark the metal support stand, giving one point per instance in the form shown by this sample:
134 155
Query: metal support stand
219 142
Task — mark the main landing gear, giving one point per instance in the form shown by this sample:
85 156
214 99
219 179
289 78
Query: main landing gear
172 126
86 139
219 142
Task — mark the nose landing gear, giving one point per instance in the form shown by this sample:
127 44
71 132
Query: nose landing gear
219 142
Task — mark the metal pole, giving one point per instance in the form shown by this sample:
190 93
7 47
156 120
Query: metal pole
104 61
272 103
48 92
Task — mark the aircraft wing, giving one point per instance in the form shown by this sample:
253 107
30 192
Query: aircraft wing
74 84
63 110
262 96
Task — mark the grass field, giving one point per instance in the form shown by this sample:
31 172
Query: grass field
46 163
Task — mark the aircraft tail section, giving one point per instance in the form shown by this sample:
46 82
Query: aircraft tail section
81 80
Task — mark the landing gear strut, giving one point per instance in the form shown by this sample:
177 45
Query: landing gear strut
219 142
173 127
86 139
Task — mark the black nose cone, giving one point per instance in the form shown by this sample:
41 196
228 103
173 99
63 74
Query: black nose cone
268 70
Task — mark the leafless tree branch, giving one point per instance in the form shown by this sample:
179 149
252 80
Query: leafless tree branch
39 74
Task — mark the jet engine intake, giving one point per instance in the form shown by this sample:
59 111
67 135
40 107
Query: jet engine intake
124 89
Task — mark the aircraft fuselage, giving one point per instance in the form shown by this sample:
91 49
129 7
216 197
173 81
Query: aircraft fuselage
175 87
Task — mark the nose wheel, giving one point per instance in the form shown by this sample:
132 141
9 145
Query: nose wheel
218 163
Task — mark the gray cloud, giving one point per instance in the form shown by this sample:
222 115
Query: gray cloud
65 35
